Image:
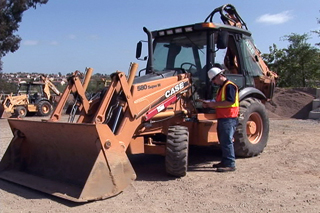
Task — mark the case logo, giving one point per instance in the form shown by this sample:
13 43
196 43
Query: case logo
174 89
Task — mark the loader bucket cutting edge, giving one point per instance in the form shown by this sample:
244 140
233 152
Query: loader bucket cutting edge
66 160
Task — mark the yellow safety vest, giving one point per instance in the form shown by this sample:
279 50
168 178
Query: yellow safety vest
230 111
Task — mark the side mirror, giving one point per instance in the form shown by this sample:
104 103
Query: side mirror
138 50
222 41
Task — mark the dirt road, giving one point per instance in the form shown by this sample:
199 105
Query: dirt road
284 178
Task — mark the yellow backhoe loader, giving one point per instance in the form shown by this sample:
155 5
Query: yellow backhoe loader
33 98
152 111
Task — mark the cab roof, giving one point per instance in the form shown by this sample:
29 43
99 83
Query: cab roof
198 27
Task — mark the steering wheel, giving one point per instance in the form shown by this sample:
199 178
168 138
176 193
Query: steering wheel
190 66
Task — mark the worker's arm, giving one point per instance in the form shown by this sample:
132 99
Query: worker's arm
215 104
230 98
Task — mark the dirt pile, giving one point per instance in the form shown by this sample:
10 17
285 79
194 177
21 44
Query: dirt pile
291 103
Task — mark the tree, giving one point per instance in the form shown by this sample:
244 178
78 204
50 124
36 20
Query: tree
317 31
298 65
11 12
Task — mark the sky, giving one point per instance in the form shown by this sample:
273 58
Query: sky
66 35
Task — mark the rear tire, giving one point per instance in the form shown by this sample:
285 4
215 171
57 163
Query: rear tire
177 151
252 132
44 108
20 112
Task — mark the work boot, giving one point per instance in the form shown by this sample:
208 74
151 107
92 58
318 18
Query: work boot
226 169
217 165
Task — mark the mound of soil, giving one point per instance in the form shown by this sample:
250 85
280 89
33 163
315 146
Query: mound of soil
291 103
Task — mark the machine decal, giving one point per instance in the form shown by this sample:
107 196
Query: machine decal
151 113
250 47
160 107
145 86
142 87
154 86
174 89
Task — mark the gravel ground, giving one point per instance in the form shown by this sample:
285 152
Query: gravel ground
284 178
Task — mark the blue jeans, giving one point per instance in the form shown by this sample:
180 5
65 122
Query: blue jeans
226 128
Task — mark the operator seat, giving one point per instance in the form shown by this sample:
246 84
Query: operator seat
231 62
34 97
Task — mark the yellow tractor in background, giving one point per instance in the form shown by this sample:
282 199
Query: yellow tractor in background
31 98
152 111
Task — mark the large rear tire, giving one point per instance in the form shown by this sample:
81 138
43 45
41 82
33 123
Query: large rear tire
252 132
177 151
44 108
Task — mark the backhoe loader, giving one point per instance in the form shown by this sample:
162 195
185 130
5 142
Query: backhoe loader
151 111
33 98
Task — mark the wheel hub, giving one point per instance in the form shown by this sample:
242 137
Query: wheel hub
45 109
251 127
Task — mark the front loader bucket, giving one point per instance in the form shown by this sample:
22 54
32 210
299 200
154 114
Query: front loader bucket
1 110
78 162
3 113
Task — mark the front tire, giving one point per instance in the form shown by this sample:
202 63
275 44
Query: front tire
20 112
177 151
252 132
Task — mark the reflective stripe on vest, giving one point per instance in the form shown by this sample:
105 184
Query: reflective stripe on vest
230 111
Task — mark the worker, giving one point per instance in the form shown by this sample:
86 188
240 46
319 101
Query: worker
227 109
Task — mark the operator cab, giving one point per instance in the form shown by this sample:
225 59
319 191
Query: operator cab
33 90
195 49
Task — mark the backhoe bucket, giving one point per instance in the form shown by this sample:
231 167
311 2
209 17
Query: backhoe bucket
78 162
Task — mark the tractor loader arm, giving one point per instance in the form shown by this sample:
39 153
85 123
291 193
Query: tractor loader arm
78 88
121 109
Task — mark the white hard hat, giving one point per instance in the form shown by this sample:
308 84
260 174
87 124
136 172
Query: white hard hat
213 72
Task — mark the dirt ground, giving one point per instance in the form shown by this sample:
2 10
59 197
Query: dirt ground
284 178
